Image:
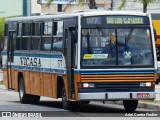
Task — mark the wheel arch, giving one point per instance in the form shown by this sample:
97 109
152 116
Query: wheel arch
60 85
20 74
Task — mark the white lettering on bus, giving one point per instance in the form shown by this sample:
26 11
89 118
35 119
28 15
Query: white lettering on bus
27 61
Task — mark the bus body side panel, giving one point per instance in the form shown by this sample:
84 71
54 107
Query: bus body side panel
35 83
47 84
8 73
77 81
27 82
5 78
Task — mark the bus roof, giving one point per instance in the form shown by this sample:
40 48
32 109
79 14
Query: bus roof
79 13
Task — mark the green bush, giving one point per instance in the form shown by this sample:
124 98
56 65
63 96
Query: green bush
1 27
1 82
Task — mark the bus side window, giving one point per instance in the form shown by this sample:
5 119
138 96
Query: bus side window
35 43
26 36
57 44
47 28
19 35
5 43
36 29
5 38
25 43
46 43
36 36
26 29
58 36
58 28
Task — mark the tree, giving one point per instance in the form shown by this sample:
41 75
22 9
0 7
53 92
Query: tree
91 4
1 28
144 2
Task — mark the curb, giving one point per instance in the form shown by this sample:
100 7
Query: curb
146 105
153 106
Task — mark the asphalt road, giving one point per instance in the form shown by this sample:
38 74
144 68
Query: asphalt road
48 107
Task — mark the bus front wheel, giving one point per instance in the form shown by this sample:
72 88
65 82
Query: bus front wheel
34 99
65 102
130 105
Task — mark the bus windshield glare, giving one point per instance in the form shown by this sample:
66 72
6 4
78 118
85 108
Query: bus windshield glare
116 47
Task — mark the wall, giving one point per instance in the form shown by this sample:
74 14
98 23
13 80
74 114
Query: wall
35 8
101 4
137 6
11 8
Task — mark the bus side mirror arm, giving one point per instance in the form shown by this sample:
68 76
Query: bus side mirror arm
155 34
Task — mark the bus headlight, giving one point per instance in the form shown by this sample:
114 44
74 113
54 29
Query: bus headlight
146 84
88 85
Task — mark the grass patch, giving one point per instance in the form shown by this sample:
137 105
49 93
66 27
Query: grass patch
1 82
151 101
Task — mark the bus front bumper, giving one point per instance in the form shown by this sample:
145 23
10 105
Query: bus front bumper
116 96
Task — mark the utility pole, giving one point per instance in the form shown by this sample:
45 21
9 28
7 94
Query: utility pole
28 7
111 4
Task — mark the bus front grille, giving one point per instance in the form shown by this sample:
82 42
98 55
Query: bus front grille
118 78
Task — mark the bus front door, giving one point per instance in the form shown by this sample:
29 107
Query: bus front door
70 59
10 58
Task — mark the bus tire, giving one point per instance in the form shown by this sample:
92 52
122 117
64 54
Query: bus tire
130 105
24 98
157 81
34 99
65 104
85 102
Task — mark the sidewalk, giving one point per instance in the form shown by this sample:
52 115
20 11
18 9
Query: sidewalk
2 87
141 104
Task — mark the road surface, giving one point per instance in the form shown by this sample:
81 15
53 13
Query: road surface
9 102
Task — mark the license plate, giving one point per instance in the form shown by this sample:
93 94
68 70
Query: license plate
143 95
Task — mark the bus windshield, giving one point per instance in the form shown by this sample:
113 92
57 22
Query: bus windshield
116 47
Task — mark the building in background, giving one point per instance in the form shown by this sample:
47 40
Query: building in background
136 6
35 8
10 8
31 7
68 6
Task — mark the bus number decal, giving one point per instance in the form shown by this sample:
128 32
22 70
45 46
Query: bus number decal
59 63
27 61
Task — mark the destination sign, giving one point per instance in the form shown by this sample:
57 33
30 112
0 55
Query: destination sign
124 20
115 20
94 20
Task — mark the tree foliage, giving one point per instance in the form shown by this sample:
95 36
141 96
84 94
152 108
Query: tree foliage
1 28
144 2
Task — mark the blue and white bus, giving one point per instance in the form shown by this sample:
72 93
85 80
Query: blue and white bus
81 57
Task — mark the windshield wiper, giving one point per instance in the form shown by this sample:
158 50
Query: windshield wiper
106 37
127 38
